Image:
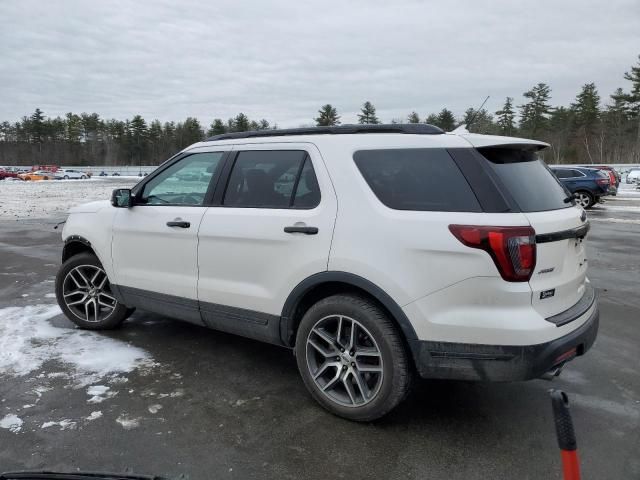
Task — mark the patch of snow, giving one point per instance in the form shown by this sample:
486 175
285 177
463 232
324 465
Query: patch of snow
50 295
155 408
99 393
94 416
24 295
28 340
65 424
127 422
24 407
12 423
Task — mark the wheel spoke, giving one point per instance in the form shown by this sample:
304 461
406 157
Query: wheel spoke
78 284
331 383
352 337
362 386
325 336
348 386
323 351
102 282
77 302
113 299
75 292
367 352
324 368
86 281
339 333
95 277
107 305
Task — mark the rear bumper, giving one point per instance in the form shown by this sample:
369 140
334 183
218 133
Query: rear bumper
502 363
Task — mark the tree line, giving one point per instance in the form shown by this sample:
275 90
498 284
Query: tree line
586 131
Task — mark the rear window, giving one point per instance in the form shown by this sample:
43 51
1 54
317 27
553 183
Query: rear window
529 181
423 179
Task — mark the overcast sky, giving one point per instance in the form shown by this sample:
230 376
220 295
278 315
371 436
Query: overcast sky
282 60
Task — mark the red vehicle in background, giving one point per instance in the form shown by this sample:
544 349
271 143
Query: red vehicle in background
6 174
614 180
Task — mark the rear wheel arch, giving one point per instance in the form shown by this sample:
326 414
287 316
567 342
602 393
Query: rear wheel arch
325 284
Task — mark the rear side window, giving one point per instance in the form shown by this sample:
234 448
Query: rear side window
272 179
423 179
529 181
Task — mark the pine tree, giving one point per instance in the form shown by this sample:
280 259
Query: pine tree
368 114
241 123
479 122
446 120
328 116
631 100
216 128
587 107
413 118
534 114
506 116
263 125
36 126
432 119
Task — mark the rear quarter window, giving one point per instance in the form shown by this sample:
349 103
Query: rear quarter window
422 179
526 178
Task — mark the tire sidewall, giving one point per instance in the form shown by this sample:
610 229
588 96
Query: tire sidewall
116 318
334 306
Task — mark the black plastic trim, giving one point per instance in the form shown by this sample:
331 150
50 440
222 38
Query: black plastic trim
71 240
411 128
240 321
161 303
579 309
486 185
578 232
501 363
287 328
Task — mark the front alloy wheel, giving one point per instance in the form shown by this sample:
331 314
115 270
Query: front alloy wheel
84 294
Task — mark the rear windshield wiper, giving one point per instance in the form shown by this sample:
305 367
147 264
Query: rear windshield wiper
570 198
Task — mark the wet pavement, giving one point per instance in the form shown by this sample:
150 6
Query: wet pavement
205 404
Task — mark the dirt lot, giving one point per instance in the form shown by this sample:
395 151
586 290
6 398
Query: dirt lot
163 397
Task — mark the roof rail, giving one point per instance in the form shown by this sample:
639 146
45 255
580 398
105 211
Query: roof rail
410 128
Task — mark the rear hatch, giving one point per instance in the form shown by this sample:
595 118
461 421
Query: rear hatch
559 280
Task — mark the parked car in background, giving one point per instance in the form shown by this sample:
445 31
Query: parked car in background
614 181
37 175
586 184
7 174
115 174
48 168
67 174
633 176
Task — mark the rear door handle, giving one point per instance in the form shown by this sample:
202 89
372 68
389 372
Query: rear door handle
178 223
305 230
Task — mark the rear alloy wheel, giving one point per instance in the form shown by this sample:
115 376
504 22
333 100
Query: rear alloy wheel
351 358
66 177
83 177
84 294
584 199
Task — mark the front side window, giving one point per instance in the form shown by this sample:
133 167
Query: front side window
183 183
272 179
422 179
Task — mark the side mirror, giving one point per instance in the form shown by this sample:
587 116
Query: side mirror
122 198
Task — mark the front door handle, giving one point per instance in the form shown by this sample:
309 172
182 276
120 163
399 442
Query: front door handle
178 223
301 229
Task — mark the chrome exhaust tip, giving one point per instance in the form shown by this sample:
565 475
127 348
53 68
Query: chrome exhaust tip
553 373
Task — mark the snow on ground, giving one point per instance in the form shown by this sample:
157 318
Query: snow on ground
28 340
12 423
20 200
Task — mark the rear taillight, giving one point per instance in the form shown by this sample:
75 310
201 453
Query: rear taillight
513 249
602 181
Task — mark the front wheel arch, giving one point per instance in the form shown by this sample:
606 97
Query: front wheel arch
75 245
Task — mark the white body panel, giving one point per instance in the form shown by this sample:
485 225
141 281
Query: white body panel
246 260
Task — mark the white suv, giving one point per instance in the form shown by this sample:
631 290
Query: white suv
66 174
374 252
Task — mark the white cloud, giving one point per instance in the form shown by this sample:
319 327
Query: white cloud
283 59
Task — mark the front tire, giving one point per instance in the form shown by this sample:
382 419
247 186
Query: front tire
351 358
84 294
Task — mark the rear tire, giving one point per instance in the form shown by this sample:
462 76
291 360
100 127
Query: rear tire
352 358
584 199
84 294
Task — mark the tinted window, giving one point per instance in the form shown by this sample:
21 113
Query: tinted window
269 179
562 173
416 179
528 180
183 183
576 173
